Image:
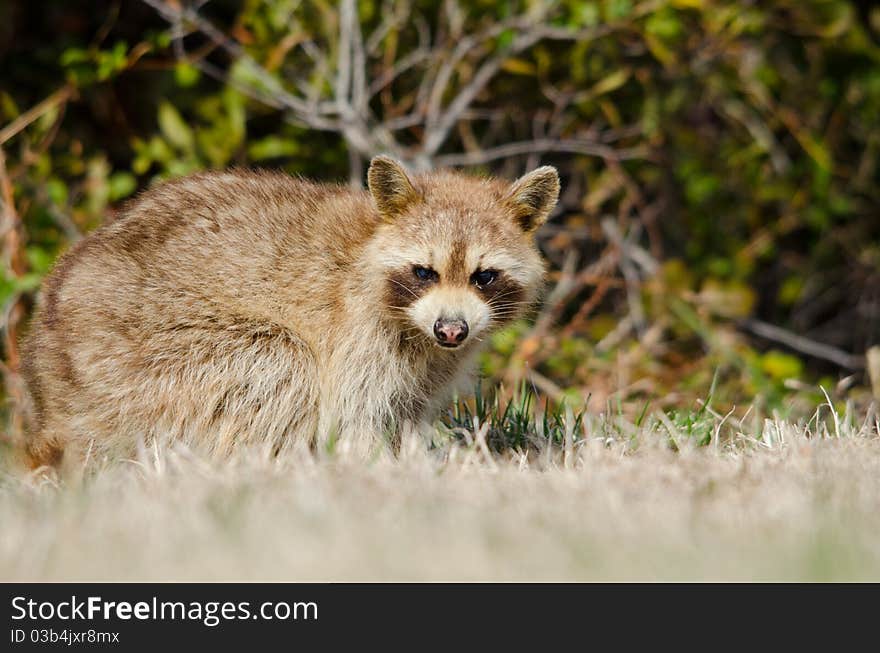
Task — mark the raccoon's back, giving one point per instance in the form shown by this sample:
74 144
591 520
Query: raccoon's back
232 243
188 263
218 238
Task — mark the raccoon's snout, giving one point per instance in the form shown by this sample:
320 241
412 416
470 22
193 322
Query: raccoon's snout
450 333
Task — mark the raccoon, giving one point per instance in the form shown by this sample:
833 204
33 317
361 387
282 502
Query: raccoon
240 307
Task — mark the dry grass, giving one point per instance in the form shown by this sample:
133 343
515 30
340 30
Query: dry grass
785 502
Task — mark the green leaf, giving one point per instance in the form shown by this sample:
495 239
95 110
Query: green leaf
586 14
233 102
505 39
610 83
790 290
272 147
243 73
39 260
816 149
174 128
518 66
112 61
121 184
781 366
8 107
74 56
664 24
57 191
618 8
186 75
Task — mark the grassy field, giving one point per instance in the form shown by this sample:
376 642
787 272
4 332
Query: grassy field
694 497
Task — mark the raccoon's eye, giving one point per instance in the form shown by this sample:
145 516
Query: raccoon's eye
425 274
482 278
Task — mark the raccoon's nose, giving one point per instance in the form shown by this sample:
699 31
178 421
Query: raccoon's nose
450 333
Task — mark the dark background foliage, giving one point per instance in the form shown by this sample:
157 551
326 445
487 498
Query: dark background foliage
718 230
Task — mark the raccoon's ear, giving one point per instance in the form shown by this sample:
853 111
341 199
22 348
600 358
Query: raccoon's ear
533 197
390 186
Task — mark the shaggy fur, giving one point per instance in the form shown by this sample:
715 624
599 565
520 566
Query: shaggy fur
241 306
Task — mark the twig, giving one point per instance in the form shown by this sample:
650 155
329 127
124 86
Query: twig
438 132
480 438
873 357
10 234
280 98
616 335
628 268
359 92
411 60
532 29
344 106
434 96
347 15
60 96
602 287
10 224
556 299
804 345
573 146
545 385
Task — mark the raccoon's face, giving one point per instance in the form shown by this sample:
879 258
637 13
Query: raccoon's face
456 254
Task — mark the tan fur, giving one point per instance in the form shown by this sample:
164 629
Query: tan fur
240 307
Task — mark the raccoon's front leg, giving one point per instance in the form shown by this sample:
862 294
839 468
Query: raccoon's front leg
368 425
364 423
341 431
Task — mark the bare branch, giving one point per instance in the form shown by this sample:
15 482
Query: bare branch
403 122
530 31
462 49
409 61
359 93
343 59
873 360
394 15
57 98
805 345
304 112
12 241
630 274
347 111
573 146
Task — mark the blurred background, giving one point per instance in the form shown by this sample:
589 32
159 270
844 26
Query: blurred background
718 236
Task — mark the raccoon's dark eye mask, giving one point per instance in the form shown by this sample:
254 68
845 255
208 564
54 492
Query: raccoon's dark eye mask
483 278
425 274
